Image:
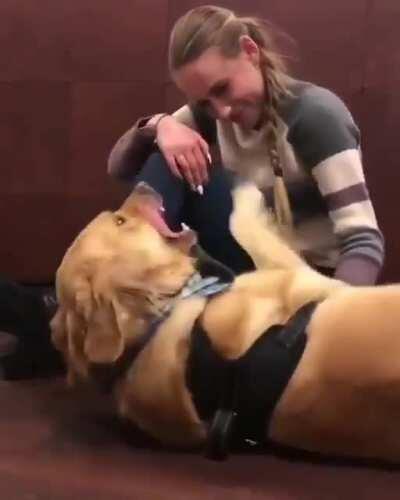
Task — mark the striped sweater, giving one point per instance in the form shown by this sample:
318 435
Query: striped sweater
319 145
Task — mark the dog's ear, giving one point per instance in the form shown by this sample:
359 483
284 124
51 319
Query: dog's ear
104 341
59 336
130 315
67 335
92 337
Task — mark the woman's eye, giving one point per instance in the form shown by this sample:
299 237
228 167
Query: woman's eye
221 89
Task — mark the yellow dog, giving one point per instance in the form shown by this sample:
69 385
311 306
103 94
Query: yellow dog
127 268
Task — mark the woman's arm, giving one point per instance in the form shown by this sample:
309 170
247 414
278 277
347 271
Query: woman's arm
327 141
136 144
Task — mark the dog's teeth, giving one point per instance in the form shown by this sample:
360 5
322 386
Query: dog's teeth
162 209
200 189
184 226
209 158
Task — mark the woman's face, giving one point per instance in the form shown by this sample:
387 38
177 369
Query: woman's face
230 89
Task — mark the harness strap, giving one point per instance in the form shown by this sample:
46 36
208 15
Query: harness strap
238 397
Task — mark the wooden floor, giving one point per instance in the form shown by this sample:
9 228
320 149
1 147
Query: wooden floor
55 445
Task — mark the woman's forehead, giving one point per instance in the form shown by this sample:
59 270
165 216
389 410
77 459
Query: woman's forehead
196 78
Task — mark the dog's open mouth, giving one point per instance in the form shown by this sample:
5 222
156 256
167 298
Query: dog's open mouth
153 211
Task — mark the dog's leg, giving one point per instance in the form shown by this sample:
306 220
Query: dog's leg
253 227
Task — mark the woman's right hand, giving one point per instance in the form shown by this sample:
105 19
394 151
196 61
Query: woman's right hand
185 151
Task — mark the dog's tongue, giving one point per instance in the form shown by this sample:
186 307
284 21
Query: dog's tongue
153 215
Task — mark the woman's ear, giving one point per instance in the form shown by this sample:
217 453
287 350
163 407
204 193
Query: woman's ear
250 48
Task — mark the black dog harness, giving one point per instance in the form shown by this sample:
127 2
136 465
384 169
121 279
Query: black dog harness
237 397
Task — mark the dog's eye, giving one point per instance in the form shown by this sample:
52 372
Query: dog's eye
119 220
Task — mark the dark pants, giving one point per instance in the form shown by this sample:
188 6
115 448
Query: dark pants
207 214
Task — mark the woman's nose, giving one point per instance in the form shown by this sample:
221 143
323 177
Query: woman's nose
222 111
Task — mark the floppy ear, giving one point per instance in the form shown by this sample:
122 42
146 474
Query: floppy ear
104 341
67 333
58 328
129 315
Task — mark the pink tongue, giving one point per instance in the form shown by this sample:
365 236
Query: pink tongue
153 216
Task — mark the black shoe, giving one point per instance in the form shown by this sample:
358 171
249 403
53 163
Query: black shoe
50 301
31 362
21 310
25 313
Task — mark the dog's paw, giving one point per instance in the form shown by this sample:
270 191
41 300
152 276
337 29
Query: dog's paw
249 213
247 199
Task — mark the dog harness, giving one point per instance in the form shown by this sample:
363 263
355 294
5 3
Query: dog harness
237 398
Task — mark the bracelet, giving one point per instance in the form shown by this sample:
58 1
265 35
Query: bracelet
155 125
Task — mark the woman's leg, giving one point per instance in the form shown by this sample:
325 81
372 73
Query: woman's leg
207 214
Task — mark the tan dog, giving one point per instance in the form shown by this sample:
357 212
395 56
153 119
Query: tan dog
126 267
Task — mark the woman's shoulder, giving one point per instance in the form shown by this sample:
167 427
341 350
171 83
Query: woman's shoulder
319 123
309 104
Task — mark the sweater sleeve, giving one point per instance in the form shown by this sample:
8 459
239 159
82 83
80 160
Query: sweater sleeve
134 147
327 142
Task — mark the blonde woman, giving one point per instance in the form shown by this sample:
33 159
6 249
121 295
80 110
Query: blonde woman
246 117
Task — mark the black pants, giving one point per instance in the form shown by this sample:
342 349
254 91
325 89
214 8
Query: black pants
207 214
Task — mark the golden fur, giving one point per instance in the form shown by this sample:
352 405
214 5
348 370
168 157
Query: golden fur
344 397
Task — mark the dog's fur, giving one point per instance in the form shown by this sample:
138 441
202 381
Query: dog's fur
344 397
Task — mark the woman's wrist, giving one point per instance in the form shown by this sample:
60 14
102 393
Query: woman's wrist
156 119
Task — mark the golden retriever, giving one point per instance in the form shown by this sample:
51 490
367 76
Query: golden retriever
127 267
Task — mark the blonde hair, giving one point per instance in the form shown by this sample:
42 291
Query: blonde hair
211 26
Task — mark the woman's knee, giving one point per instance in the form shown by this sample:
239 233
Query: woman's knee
156 172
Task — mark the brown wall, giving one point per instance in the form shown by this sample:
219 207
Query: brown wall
74 74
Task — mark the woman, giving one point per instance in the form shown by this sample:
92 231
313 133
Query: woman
295 140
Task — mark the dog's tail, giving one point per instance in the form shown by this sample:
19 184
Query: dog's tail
255 229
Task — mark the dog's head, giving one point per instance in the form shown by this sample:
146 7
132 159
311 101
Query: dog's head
118 274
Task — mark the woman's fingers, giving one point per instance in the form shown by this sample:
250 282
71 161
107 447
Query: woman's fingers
172 165
195 168
206 150
185 166
202 165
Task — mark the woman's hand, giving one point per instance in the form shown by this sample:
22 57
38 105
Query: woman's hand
185 151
